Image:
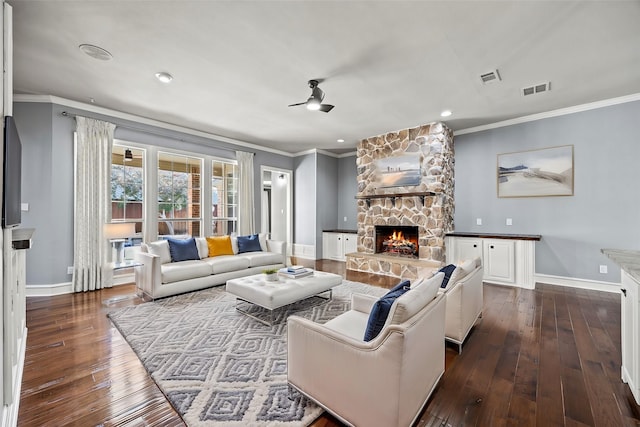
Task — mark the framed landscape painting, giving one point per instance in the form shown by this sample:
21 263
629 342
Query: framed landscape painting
536 173
398 171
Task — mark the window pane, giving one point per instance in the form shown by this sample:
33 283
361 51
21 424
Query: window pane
179 200
223 197
127 184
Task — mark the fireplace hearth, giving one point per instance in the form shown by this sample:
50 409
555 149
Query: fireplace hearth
397 240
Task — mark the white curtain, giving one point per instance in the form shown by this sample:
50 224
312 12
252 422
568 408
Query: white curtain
92 202
246 222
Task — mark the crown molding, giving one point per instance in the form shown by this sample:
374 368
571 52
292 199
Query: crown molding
143 120
553 113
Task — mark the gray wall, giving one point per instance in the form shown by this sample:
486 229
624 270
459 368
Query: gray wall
326 198
347 190
304 199
604 211
47 143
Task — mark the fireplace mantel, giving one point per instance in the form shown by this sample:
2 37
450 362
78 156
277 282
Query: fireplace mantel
394 196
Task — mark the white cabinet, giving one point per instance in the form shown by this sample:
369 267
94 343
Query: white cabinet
468 249
499 260
336 245
630 337
506 260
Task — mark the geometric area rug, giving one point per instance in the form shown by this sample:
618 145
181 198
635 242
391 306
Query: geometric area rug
219 367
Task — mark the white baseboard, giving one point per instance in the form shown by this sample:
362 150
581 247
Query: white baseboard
577 283
67 287
49 290
304 251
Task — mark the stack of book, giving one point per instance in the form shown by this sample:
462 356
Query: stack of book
295 272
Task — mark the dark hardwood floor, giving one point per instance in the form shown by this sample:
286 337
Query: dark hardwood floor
549 357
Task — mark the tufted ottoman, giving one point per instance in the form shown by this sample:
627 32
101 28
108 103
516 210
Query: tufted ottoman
273 295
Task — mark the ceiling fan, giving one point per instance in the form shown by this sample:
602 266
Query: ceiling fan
315 100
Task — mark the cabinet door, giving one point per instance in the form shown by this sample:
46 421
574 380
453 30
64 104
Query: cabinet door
499 260
467 249
332 245
350 243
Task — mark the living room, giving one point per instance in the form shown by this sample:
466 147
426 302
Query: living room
602 131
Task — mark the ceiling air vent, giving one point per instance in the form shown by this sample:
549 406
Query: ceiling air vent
539 88
490 77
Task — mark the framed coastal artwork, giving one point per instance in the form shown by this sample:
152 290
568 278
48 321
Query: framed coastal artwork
398 171
536 173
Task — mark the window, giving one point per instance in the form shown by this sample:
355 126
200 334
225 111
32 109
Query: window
224 197
127 184
179 187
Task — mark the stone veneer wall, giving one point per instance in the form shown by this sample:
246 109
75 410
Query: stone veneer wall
434 217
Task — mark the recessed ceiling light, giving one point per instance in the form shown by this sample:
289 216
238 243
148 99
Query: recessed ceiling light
341 140
95 52
446 113
164 77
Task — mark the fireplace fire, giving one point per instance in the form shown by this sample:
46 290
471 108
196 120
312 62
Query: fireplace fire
397 240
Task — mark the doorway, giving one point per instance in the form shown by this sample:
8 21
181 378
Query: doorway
276 217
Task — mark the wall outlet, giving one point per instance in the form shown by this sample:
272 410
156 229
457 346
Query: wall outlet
24 207
478 221
509 221
70 269
603 269
345 219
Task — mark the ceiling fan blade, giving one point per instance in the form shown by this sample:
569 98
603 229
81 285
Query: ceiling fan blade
325 108
299 103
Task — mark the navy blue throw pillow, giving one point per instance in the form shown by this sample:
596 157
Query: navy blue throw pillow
183 250
380 310
249 244
448 271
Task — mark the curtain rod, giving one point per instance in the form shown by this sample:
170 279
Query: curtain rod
151 132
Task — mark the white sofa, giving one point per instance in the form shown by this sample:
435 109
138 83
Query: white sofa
464 300
384 382
158 277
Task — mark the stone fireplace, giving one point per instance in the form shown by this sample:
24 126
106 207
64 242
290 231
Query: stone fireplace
405 183
397 240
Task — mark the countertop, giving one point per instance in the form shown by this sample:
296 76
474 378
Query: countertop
484 235
628 260
341 230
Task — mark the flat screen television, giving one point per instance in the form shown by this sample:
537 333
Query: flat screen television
12 175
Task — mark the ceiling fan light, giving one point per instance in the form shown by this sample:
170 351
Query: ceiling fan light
313 104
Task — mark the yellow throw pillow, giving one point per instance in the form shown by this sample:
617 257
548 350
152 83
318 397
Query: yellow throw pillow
219 245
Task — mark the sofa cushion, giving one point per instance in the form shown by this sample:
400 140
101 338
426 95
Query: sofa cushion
380 310
234 242
461 271
249 243
161 250
352 323
262 238
183 250
203 249
257 259
407 305
227 263
219 245
448 271
184 270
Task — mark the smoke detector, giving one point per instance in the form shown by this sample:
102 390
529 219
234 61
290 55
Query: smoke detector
539 88
490 77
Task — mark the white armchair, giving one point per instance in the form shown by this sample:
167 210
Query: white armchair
384 382
464 301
